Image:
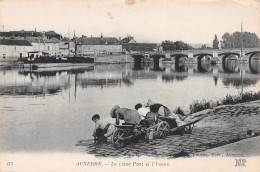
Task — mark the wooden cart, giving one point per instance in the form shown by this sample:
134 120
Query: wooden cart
162 128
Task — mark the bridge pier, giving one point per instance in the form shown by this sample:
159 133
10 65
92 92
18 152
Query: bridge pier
215 58
243 58
191 59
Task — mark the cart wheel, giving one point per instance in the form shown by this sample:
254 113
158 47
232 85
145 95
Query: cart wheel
115 138
162 129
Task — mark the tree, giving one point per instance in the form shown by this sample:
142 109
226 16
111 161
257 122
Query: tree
177 45
235 40
52 34
167 45
203 47
127 39
215 43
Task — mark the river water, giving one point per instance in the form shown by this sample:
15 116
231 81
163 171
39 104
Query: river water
51 111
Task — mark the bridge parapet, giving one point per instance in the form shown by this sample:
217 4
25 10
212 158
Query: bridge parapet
210 51
216 54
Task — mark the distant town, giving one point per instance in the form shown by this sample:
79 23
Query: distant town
17 44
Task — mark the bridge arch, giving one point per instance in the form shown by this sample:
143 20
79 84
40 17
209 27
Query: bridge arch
251 56
226 55
138 61
137 56
200 56
230 53
177 57
234 65
156 58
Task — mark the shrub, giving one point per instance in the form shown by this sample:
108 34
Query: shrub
197 106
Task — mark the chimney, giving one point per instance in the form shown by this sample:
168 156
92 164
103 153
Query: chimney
119 38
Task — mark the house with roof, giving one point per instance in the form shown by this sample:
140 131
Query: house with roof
52 46
14 48
23 33
44 45
140 47
67 46
98 46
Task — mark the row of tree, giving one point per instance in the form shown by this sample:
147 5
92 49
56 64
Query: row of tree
238 39
177 45
234 40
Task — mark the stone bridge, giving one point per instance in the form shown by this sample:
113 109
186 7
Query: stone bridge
195 56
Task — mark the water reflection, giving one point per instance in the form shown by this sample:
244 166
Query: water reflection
180 66
254 65
40 83
230 66
138 65
70 97
204 65
174 77
237 82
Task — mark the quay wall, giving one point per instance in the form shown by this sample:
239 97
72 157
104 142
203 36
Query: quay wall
109 59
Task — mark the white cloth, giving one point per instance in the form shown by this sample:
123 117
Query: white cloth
143 111
101 125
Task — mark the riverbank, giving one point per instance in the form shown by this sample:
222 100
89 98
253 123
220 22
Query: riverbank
9 63
108 59
221 126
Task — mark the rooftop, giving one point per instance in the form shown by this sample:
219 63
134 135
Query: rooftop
97 40
15 42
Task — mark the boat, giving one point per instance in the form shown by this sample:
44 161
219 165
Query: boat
53 70
35 61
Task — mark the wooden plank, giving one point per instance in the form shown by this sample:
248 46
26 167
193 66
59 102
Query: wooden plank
163 118
186 125
124 126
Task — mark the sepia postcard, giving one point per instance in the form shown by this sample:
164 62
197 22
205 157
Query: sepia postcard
129 85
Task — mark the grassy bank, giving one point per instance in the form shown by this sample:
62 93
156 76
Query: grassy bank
197 106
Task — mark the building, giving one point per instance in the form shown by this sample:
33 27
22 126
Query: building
24 34
52 46
14 48
19 43
67 46
98 46
135 47
44 45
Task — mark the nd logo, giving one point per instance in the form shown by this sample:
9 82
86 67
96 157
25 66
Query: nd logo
240 162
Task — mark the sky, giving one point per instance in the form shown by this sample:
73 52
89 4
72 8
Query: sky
191 21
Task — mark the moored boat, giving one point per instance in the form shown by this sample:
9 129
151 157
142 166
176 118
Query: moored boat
45 61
